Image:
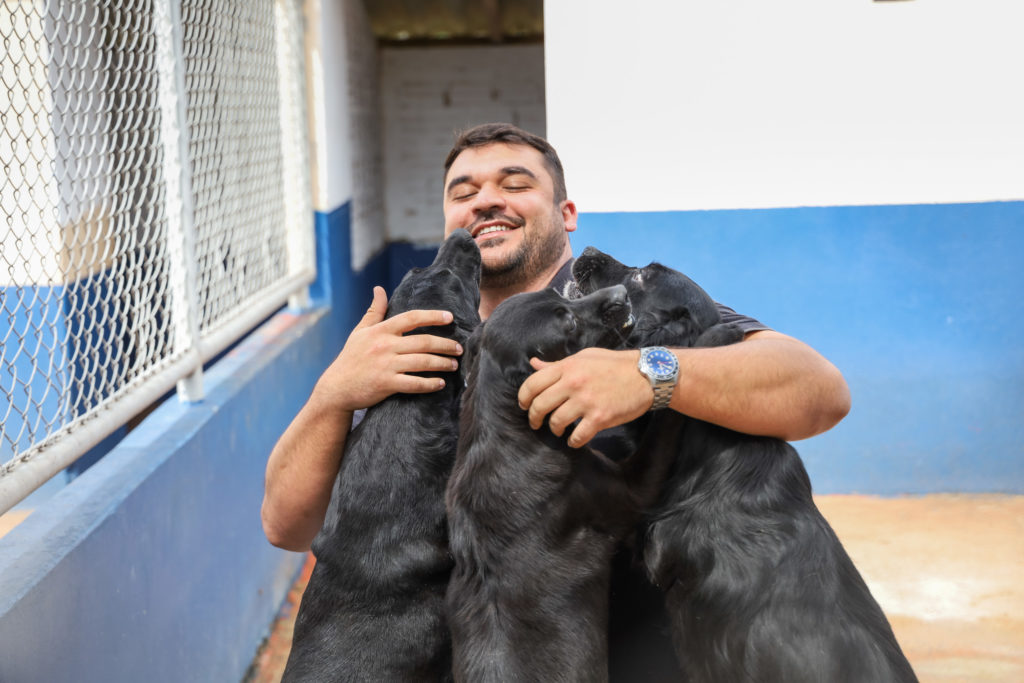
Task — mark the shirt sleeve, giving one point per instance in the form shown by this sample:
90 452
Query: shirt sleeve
746 323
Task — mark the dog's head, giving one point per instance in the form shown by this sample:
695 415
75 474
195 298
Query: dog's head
548 326
670 308
451 283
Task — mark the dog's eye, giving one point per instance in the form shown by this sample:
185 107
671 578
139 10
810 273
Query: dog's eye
570 323
637 277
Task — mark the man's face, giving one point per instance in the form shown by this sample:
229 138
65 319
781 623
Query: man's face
504 195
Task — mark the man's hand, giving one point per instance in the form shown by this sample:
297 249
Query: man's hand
377 359
598 387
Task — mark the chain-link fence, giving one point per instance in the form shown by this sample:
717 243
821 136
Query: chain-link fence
156 205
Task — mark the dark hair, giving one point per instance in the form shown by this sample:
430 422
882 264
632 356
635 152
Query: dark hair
491 133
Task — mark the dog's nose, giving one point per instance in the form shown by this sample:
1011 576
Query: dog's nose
459 250
615 303
616 296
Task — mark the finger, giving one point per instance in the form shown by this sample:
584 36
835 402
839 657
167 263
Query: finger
563 417
538 364
428 343
410 384
377 310
424 362
545 403
410 320
582 434
537 383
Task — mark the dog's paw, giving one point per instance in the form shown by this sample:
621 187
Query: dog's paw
721 334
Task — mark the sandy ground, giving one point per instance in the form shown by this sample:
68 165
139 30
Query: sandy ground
947 570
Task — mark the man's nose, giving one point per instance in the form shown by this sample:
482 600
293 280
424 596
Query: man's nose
488 197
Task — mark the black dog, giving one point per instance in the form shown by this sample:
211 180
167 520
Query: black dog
374 606
532 521
757 586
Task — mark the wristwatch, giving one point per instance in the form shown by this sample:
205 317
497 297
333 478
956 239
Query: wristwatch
661 367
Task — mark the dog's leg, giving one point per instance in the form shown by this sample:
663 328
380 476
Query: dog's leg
722 334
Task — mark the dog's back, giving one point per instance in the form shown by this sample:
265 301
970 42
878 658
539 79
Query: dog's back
374 606
757 585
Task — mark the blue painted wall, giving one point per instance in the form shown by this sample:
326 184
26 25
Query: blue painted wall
919 306
39 315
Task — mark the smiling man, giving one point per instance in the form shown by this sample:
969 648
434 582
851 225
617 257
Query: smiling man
507 196
507 187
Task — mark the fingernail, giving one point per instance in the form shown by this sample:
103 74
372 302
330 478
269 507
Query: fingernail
440 384
455 364
447 317
458 348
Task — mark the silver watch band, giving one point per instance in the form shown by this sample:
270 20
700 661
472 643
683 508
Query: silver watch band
662 396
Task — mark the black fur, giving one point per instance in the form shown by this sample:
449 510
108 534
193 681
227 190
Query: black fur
533 522
757 586
374 607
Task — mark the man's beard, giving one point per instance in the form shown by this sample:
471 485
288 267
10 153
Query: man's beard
535 254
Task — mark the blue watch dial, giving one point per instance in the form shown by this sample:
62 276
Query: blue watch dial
662 363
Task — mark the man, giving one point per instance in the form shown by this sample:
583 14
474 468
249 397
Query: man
506 186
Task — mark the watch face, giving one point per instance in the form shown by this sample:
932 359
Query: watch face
662 363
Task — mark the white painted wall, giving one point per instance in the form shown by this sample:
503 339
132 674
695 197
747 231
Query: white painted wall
345 115
329 109
427 94
686 104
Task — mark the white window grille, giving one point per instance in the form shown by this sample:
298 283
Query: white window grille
156 204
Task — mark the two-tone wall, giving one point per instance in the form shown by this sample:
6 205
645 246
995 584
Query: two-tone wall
850 173
152 564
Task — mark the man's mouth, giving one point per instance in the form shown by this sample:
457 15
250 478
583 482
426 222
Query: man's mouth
491 229
492 225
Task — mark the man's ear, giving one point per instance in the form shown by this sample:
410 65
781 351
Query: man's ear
569 214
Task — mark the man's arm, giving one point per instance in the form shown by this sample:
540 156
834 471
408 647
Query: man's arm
374 364
770 384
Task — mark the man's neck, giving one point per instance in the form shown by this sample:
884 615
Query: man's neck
491 297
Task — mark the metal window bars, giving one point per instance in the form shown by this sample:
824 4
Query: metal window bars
156 201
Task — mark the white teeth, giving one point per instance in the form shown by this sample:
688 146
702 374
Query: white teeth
629 321
493 228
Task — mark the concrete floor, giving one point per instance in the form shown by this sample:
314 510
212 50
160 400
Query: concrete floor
947 569
948 572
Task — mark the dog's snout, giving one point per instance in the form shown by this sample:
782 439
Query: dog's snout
617 295
460 253
613 299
